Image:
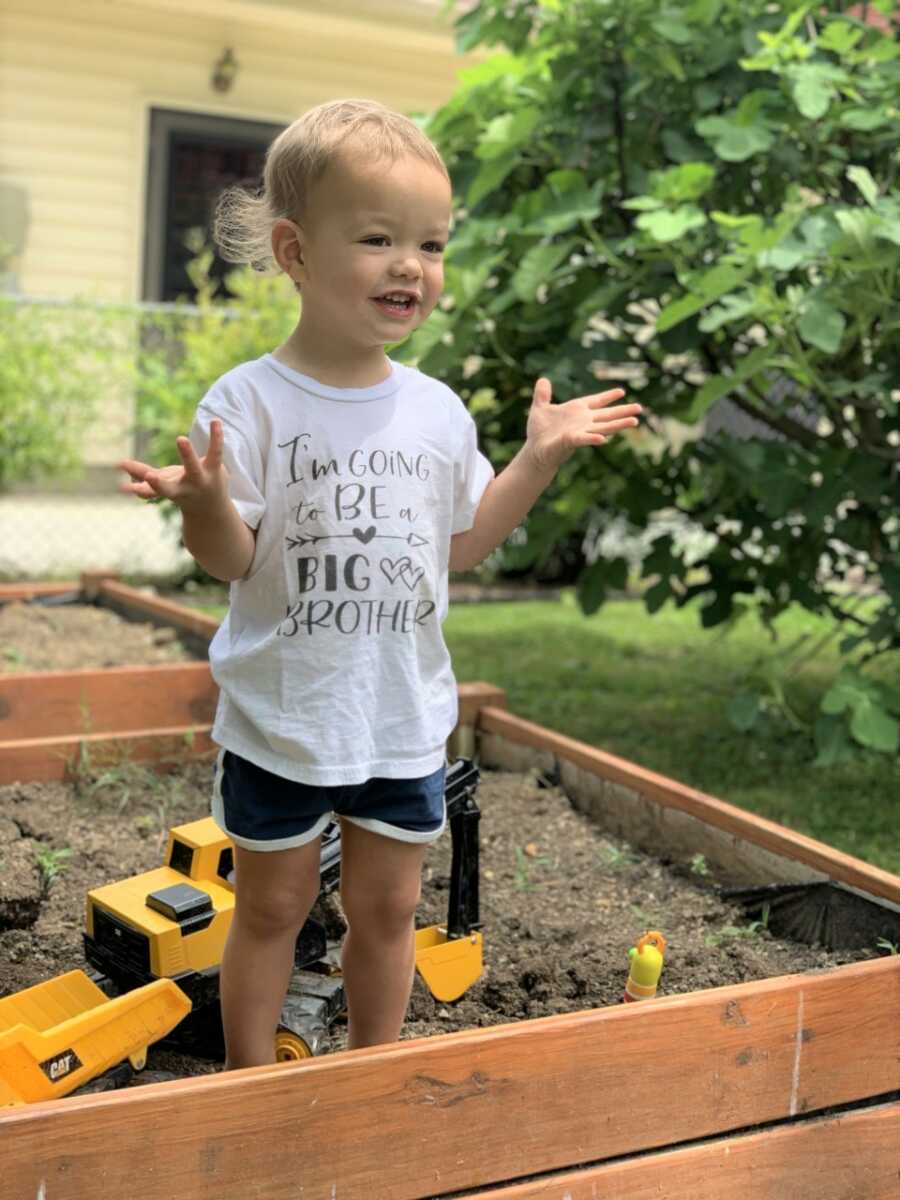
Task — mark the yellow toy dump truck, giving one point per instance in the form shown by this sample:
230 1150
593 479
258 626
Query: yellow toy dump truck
171 923
60 1034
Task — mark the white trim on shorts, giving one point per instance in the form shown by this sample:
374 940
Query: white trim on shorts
394 831
217 810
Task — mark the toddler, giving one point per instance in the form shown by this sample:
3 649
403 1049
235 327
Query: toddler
334 488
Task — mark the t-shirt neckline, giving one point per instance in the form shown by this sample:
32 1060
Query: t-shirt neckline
377 391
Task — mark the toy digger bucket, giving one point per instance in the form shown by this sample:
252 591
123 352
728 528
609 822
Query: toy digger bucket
448 965
60 1034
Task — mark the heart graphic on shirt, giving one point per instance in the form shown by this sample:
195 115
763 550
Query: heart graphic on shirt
364 535
403 570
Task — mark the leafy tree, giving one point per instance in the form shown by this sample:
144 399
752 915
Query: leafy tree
697 199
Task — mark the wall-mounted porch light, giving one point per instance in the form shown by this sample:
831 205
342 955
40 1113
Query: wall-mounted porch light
224 71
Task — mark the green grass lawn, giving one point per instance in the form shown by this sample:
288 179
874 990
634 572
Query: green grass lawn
654 689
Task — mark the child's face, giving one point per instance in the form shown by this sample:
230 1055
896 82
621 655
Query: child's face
373 230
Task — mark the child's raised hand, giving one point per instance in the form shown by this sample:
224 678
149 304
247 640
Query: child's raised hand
192 485
555 431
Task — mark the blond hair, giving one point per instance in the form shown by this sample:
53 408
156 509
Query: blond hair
297 158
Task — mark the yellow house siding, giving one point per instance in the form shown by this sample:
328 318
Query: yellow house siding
77 83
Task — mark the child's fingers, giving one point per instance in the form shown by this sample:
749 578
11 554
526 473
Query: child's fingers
192 465
213 458
618 413
606 424
137 470
142 490
601 399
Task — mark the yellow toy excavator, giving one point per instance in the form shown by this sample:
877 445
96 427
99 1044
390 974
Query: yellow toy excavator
171 923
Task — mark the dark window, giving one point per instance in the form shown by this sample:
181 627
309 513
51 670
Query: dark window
226 864
192 159
182 857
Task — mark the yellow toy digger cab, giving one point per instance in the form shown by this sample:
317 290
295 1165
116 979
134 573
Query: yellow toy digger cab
171 923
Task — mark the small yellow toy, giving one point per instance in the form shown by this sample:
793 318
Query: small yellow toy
646 966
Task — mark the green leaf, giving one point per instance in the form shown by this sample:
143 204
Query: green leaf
595 581
689 181
889 230
734 142
656 596
822 325
786 255
703 291
720 385
490 177
743 711
862 177
890 578
667 58
562 202
812 88
872 726
674 30
732 308
537 264
671 224
643 204
833 742
839 36
704 12
864 119
507 132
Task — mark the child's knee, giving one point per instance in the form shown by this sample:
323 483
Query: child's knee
274 912
389 909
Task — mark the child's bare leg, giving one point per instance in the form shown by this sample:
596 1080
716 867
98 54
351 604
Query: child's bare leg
380 888
274 891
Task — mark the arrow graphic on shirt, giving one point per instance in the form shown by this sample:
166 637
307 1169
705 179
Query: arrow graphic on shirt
360 535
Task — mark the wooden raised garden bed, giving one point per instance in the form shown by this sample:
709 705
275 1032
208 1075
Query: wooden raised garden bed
784 1089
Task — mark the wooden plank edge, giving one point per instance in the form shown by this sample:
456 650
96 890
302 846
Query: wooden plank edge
854 1153
153 673
10 592
44 759
671 794
491 1104
168 611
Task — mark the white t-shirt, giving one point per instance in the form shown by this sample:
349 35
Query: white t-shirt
331 661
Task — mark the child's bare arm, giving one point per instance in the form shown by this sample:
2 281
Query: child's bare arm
212 527
554 432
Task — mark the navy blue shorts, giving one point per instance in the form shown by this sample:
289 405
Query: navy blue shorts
262 811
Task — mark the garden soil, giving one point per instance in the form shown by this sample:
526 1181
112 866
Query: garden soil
561 901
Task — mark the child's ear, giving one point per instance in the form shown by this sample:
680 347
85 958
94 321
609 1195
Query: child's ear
287 248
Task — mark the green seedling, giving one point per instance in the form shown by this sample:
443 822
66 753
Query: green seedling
728 932
699 865
13 655
524 865
888 947
51 864
619 857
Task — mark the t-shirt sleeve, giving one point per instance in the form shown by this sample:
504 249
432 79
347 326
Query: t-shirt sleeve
471 471
241 454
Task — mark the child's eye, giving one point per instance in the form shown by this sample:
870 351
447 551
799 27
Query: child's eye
430 247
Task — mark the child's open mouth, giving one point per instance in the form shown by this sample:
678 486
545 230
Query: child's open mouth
395 306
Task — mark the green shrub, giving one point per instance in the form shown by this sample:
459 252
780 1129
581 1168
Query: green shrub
184 352
58 361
